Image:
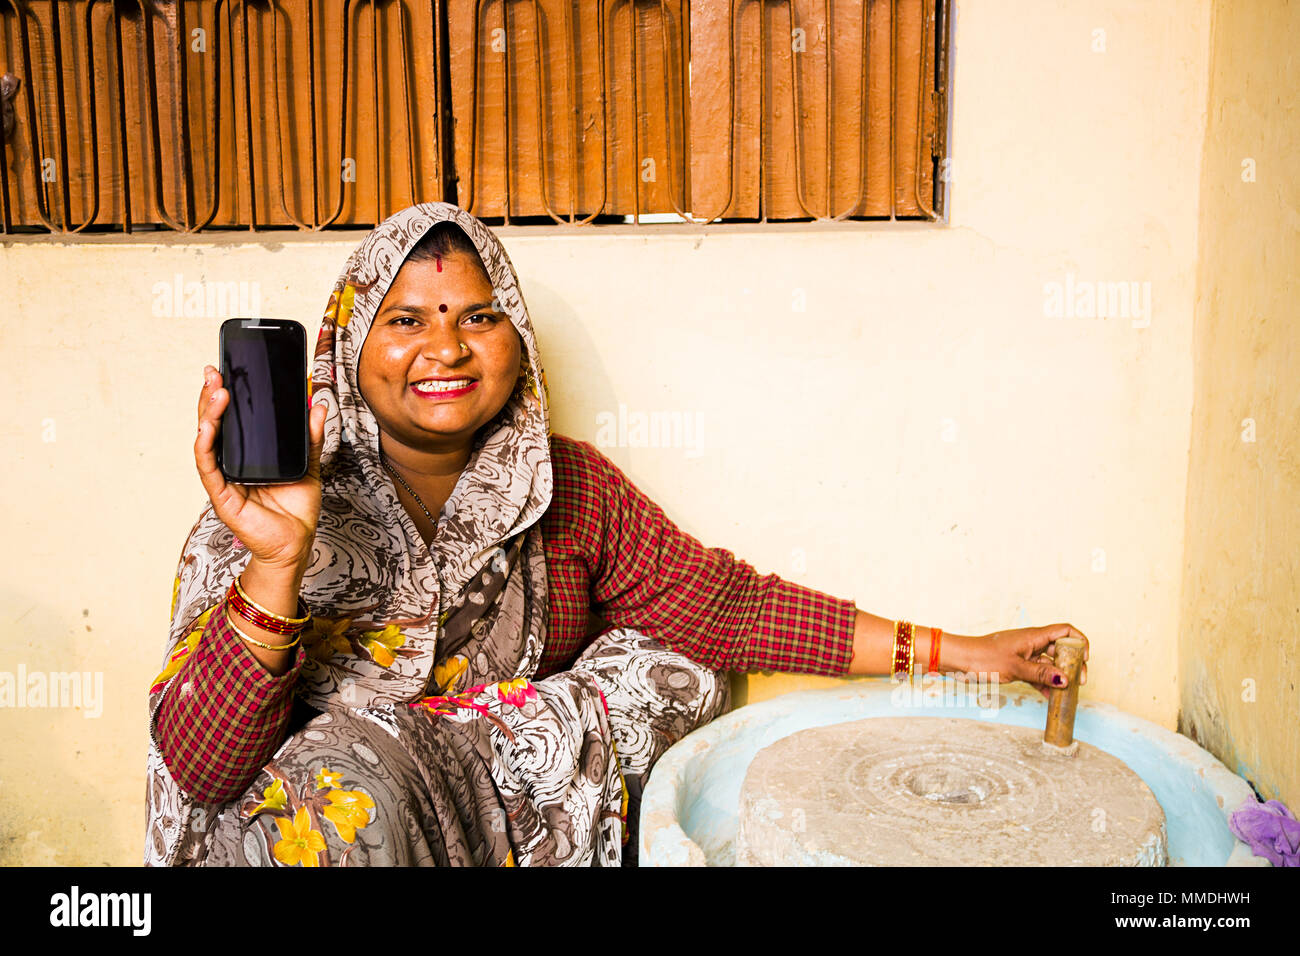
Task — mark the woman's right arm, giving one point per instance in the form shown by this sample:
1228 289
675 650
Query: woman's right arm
226 711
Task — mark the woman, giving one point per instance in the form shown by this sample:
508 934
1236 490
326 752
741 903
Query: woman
445 703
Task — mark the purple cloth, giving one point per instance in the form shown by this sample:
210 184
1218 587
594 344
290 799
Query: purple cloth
1270 829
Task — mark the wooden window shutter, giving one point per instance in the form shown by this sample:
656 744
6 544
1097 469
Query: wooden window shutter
556 117
804 140
256 114
270 115
689 90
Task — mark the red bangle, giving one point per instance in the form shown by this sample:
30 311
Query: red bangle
902 649
263 618
935 635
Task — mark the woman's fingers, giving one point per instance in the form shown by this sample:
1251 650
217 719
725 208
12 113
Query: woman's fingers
211 382
212 398
1083 669
316 432
1042 640
211 404
203 392
1045 659
1038 670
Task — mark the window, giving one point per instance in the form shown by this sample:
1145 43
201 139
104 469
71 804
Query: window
186 115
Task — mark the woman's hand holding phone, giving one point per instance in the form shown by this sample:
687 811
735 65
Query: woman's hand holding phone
276 522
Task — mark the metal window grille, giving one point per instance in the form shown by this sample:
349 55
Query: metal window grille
188 115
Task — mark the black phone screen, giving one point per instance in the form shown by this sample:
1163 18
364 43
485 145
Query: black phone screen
264 427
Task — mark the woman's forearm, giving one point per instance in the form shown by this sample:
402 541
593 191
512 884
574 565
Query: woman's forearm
275 589
873 647
223 715
227 710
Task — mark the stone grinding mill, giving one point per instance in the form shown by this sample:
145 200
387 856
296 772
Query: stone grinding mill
838 777
937 791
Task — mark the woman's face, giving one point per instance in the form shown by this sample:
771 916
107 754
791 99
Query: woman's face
430 309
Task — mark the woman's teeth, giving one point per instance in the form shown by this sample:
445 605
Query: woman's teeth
442 386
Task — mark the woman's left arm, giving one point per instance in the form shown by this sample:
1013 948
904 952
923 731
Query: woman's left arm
646 573
705 603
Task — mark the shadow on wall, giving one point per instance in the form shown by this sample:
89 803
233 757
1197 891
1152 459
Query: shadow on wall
1204 723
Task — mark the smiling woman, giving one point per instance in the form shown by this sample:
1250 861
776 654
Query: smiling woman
444 704
390 661
438 366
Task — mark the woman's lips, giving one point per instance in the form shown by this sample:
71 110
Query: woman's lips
445 393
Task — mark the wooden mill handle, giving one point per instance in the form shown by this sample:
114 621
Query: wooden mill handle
1062 702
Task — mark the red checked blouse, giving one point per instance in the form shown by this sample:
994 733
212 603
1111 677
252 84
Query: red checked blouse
609 550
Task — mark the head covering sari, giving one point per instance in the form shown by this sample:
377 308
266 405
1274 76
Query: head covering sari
457 626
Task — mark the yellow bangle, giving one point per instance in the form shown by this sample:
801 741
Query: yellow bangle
252 640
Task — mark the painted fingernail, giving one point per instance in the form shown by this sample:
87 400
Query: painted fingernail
1058 680
207 376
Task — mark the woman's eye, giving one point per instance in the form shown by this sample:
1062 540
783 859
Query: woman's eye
484 318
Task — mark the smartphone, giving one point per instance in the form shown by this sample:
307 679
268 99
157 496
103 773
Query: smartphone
264 436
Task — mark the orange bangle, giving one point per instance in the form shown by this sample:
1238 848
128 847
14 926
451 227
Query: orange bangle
935 636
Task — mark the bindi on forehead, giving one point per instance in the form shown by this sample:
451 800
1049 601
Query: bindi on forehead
442 307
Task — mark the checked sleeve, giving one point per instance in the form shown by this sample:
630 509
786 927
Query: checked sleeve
223 715
706 603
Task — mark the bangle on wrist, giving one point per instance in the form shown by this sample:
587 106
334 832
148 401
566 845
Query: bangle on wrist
936 635
254 640
254 612
902 655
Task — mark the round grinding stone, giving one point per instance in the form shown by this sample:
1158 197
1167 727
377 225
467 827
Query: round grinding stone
942 791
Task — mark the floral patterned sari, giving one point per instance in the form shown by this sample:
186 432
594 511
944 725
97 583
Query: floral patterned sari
420 736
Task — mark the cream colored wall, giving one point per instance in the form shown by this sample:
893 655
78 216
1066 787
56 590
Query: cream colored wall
824 452
1240 632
